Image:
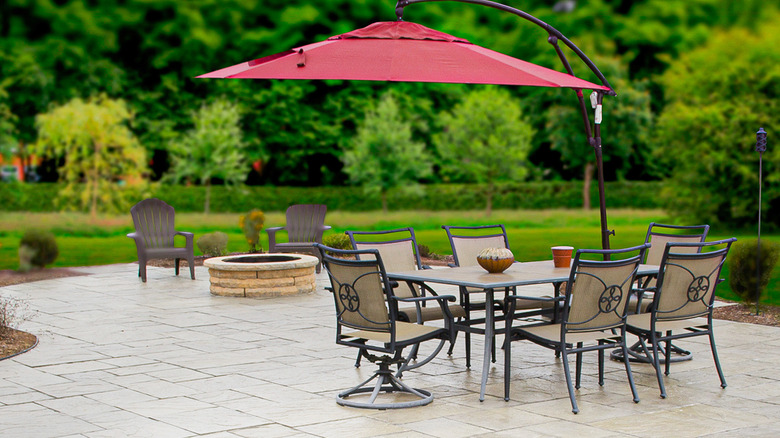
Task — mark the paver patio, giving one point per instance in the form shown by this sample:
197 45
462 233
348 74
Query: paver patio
118 357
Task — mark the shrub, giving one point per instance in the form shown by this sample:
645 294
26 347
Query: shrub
742 267
213 244
338 241
37 248
251 224
13 311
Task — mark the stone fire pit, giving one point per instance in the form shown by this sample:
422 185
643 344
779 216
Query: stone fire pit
261 275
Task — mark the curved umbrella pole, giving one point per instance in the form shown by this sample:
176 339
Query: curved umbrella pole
594 134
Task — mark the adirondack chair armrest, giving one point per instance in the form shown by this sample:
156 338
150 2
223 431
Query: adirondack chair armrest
272 235
139 241
187 235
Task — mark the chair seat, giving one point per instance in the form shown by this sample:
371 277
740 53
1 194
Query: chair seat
430 312
552 334
642 322
156 253
405 333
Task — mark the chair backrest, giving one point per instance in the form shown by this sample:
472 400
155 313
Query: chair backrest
598 291
467 242
397 247
305 222
360 292
687 279
154 220
658 235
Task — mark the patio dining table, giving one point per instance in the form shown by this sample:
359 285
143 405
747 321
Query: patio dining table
518 274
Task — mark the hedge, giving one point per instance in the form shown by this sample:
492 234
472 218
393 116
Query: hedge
534 195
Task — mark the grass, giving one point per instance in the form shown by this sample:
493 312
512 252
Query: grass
83 241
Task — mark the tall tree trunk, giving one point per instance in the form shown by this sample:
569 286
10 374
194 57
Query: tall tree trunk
384 201
587 178
207 202
489 207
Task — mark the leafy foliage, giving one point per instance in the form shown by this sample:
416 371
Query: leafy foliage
98 149
37 248
719 95
383 155
213 244
485 140
213 149
338 241
251 223
742 268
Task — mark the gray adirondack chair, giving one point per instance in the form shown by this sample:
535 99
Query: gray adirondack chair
305 225
154 234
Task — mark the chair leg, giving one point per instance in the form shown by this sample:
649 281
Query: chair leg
142 270
715 356
359 357
668 353
657 364
628 369
191 262
507 362
578 367
176 266
601 365
574 407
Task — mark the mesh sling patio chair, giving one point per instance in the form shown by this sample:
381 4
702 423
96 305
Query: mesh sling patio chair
367 319
593 316
154 236
683 301
466 243
398 249
305 225
658 235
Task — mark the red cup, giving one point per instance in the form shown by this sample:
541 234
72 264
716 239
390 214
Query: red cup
562 256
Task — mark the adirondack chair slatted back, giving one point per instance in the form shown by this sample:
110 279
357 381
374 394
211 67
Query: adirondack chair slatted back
153 219
305 221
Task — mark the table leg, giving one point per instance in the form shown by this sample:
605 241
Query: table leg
489 333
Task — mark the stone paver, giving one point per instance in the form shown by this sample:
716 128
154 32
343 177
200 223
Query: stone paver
118 357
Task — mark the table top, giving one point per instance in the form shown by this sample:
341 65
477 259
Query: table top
519 274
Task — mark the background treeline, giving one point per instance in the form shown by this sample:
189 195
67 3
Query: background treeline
694 78
434 197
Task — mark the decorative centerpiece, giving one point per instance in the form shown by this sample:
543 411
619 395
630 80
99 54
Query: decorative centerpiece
495 260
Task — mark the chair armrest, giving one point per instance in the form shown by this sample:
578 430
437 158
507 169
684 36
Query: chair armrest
325 227
139 240
426 298
272 236
187 235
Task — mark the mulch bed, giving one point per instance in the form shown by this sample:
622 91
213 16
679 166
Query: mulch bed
13 342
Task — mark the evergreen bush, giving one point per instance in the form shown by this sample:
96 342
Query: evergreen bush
37 248
742 267
338 241
213 244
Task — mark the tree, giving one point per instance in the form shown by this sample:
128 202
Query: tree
99 150
485 139
717 98
383 155
626 128
214 148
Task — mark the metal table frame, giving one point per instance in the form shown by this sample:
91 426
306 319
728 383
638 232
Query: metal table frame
519 274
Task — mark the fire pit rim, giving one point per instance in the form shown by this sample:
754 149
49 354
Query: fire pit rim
302 261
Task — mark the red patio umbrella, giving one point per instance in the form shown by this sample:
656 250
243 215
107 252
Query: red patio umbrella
401 51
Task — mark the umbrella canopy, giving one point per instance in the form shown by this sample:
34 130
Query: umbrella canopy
400 51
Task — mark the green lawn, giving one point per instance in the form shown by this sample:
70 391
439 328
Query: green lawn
85 242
